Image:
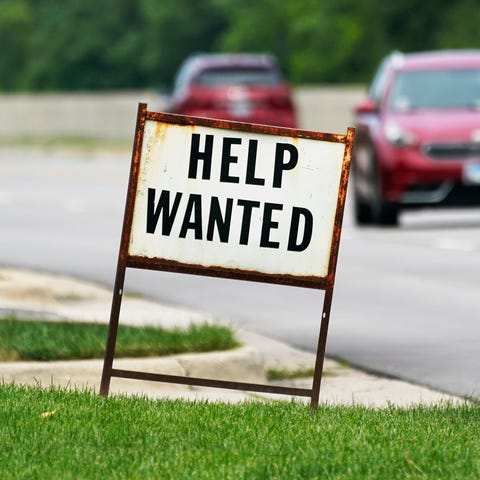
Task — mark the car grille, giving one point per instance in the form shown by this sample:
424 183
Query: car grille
448 151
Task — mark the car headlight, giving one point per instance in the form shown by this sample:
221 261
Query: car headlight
398 136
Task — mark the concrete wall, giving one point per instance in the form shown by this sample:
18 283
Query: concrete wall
327 109
112 115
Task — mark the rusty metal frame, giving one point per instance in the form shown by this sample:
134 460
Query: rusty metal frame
128 261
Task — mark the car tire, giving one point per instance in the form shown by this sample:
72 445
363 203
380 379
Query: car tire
387 214
370 207
363 168
362 211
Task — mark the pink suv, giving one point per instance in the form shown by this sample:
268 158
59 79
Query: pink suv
418 136
241 87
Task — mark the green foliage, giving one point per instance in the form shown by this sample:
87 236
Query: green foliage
15 19
120 44
458 27
43 340
82 45
172 30
57 434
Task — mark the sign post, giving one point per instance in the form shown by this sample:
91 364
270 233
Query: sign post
232 200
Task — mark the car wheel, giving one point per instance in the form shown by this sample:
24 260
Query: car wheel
384 213
362 211
363 172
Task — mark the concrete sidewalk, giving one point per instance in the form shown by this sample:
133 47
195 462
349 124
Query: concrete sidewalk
39 295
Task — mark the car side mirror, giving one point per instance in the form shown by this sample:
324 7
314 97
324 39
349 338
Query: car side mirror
367 106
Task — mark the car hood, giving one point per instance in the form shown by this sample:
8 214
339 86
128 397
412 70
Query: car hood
440 125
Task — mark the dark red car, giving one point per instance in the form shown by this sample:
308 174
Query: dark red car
418 136
241 87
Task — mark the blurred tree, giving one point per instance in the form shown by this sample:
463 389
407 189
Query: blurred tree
16 20
458 27
255 26
411 25
327 38
88 44
172 30
315 40
114 44
84 44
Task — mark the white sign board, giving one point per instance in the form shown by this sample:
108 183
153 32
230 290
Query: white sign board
213 197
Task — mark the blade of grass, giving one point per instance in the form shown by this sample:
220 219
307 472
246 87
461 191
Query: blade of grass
68 435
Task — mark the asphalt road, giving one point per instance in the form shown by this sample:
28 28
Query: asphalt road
405 302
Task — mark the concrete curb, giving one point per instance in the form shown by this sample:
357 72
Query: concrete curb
54 297
243 364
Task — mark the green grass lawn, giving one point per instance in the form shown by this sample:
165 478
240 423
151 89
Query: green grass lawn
48 434
44 340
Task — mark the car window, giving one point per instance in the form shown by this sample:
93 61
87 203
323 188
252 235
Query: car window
237 76
181 78
436 89
378 84
377 88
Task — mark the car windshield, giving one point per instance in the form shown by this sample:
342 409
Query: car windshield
237 76
436 89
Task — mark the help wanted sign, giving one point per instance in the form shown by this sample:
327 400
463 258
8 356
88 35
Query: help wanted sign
240 200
